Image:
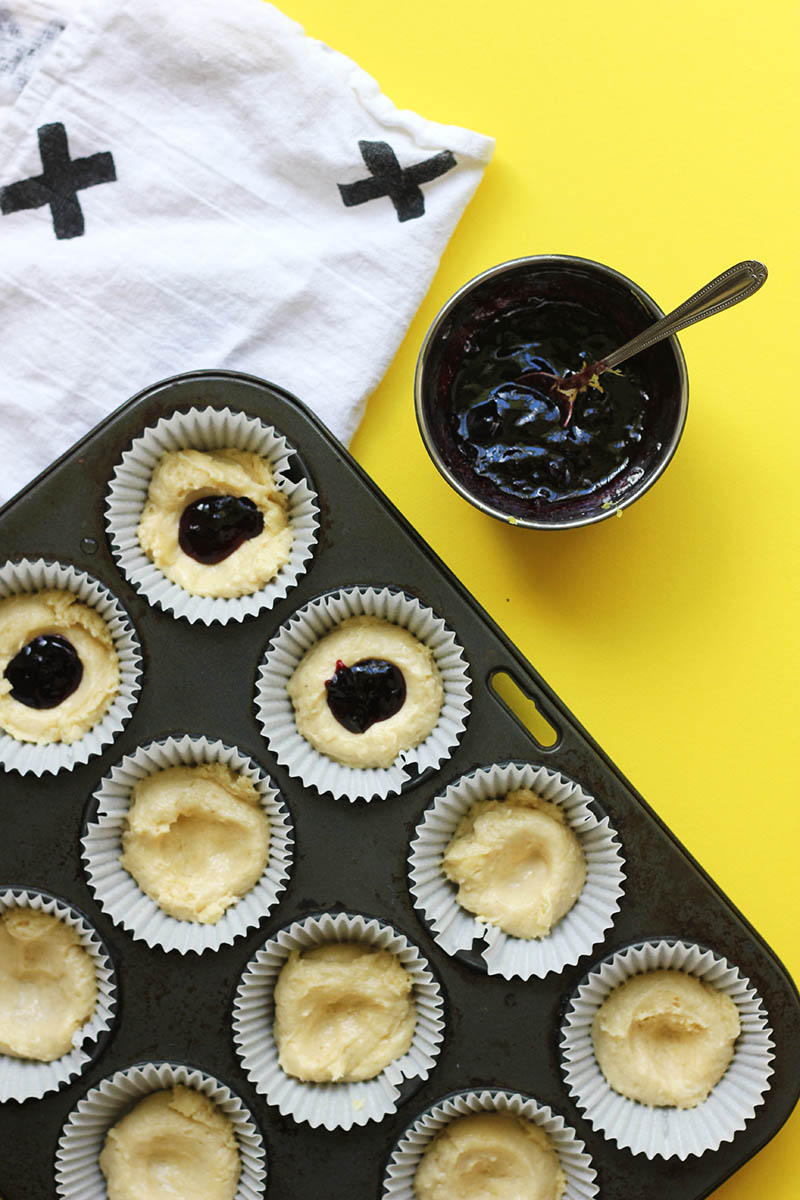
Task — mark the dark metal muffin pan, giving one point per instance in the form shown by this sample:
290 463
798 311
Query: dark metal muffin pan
348 856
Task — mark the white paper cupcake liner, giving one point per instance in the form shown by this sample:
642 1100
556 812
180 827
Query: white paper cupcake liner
576 1164
118 893
78 1174
276 715
662 1132
26 1079
36 575
205 429
332 1105
455 929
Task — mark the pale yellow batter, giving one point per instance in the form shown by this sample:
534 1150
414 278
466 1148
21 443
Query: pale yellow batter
517 862
48 988
490 1156
183 476
196 839
173 1145
355 639
665 1038
343 1012
29 615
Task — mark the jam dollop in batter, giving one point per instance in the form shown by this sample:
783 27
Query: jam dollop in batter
212 528
371 690
45 671
513 432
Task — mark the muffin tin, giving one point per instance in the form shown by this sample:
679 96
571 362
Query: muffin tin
349 857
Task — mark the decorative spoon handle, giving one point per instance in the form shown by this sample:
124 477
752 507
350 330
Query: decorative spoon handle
733 285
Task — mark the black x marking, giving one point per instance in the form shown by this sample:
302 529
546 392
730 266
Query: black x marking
61 180
389 179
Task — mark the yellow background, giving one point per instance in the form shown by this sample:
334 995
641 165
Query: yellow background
660 138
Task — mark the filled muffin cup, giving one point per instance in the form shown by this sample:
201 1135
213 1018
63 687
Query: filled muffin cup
29 1079
662 1131
311 623
333 1105
28 576
580 1175
119 894
78 1171
206 429
456 930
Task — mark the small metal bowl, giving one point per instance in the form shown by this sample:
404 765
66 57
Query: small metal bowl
625 309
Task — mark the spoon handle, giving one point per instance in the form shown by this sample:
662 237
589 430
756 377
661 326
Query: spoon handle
733 285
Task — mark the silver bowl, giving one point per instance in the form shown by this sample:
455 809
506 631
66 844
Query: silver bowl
627 310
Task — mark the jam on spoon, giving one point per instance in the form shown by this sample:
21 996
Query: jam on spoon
45 671
371 690
212 528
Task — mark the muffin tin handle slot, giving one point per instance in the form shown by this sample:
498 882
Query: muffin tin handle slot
512 694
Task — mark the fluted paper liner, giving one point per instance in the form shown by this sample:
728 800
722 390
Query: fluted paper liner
36 575
276 714
118 893
576 1164
455 929
28 1079
332 1105
664 1132
205 429
78 1174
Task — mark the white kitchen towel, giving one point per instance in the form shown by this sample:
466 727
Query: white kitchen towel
196 183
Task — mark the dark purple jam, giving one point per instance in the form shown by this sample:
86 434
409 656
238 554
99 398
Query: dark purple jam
513 434
45 671
212 528
371 690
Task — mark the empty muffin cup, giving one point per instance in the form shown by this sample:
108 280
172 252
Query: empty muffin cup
119 894
78 1173
333 1105
29 1079
663 1131
575 1163
308 626
29 576
456 929
206 430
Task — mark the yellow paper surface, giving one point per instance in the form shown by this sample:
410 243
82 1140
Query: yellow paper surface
660 139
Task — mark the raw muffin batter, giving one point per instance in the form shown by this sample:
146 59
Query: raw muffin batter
343 1012
196 839
249 558
665 1038
174 1145
47 985
517 863
73 630
490 1156
358 640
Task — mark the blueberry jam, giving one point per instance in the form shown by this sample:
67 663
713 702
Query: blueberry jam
514 435
371 690
45 671
212 528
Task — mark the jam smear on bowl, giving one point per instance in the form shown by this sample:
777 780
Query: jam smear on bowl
513 433
45 671
371 690
213 527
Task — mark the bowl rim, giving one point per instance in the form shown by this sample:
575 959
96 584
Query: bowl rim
510 265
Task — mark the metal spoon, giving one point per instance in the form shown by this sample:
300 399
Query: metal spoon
733 285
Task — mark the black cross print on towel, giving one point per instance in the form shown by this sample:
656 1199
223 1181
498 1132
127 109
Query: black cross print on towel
388 178
61 180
